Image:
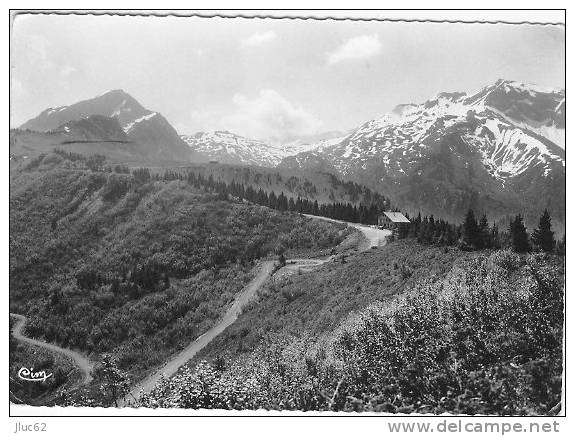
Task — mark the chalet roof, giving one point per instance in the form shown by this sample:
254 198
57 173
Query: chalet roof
396 217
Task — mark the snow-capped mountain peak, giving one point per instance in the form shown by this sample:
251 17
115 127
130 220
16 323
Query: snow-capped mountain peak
228 147
116 103
513 126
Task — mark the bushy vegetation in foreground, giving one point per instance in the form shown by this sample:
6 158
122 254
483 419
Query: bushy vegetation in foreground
485 339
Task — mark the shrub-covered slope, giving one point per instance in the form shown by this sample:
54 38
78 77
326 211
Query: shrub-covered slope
115 262
481 334
316 302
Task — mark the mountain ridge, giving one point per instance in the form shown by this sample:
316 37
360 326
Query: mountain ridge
484 150
230 148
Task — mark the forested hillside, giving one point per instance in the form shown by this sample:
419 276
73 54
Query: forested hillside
104 260
309 185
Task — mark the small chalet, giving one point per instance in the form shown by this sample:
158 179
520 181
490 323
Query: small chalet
391 220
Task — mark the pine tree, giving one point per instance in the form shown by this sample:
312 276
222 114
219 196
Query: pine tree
484 236
431 228
494 237
470 233
272 200
423 233
518 234
414 227
542 236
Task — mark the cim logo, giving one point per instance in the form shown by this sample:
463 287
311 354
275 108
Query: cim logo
31 375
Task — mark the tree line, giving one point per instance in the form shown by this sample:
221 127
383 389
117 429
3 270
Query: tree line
474 234
471 234
344 211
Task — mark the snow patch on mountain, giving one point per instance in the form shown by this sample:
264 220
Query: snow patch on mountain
128 127
509 151
552 132
56 109
529 88
295 147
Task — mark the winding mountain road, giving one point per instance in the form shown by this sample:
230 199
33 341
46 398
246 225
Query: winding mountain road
374 237
85 365
172 366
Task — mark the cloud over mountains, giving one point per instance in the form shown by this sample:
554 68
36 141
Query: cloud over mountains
268 115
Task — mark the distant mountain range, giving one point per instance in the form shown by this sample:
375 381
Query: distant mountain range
227 147
147 135
500 150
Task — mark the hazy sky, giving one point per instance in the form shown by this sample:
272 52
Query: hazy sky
264 78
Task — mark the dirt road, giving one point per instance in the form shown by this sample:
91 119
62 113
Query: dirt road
172 366
374 237
81 361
